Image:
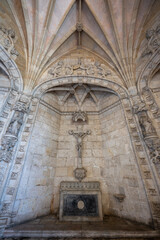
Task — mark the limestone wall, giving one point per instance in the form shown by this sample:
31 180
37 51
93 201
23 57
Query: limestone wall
120 169
35 192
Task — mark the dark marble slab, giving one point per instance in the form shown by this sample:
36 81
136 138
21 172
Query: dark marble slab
90 202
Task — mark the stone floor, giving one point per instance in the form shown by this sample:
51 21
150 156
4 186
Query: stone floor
111 228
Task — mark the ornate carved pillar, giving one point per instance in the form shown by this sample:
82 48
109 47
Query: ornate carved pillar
13 154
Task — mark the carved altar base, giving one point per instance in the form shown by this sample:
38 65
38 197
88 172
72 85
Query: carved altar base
80 201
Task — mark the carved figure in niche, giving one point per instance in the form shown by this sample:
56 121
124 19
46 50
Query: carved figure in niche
15 124
146 126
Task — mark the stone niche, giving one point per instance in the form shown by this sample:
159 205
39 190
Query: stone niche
50 181
80 201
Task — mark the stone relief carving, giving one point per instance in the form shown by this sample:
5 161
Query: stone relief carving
10 138
79 116
150 101
153 41
7 40
79 67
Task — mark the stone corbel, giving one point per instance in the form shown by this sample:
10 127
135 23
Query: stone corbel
120 197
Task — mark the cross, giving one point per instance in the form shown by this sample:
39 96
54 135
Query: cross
79 137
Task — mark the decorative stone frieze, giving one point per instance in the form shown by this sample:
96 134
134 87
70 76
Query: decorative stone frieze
79 67
153 41
7 40
79 186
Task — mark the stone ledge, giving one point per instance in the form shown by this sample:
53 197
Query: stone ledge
82 234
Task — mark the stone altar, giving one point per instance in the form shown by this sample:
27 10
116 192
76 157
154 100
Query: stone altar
80 201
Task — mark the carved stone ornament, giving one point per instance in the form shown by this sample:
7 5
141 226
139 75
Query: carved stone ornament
80 173
10 138
139 108
79 116
21 107
6 148
7 40
153 41
79 26
79 67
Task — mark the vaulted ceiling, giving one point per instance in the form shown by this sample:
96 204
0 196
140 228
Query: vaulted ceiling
113 30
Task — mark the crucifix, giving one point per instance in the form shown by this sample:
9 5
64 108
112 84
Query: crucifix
79 137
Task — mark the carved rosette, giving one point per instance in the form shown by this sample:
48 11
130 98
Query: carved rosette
80 173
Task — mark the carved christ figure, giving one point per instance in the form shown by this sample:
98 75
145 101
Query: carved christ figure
79 137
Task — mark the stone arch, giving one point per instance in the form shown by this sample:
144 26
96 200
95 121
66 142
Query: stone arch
116 88
13 71
148 71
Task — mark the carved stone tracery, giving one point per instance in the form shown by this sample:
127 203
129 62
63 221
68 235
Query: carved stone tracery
7 40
